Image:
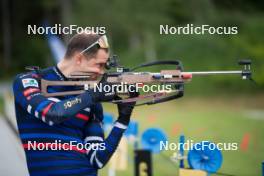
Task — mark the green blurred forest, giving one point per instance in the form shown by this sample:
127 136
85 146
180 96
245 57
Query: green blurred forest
133 29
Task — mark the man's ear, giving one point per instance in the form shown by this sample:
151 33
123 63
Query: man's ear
78 58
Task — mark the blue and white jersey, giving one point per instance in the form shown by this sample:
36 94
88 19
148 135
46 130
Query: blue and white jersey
65 124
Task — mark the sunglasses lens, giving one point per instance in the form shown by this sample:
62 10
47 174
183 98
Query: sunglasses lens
103 42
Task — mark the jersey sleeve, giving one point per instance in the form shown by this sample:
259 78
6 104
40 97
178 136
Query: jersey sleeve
101 149
28 95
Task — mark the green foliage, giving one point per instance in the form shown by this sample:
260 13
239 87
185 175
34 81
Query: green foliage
133 29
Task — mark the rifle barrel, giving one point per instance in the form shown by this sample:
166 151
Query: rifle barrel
213 72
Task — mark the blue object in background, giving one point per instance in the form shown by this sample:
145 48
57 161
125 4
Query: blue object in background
206 159
181 141
132 129
151 139
108 121
56 45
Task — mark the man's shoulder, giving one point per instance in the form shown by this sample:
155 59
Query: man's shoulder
34 74
25 75
28 79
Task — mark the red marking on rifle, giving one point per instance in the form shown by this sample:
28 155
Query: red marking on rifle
140 84
186 76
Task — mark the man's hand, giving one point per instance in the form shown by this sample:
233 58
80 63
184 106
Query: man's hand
102 96
125 109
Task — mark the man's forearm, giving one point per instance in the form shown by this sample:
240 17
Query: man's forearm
100 157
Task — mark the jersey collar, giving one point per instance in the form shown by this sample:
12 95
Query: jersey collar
60 75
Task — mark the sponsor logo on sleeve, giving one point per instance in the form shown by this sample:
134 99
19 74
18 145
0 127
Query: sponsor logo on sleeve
70 103
29 82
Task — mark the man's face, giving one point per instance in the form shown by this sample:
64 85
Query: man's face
95 64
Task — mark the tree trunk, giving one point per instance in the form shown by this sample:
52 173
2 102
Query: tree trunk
150 51
66 16
6 34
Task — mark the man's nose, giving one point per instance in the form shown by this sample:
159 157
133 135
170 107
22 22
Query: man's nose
102 71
